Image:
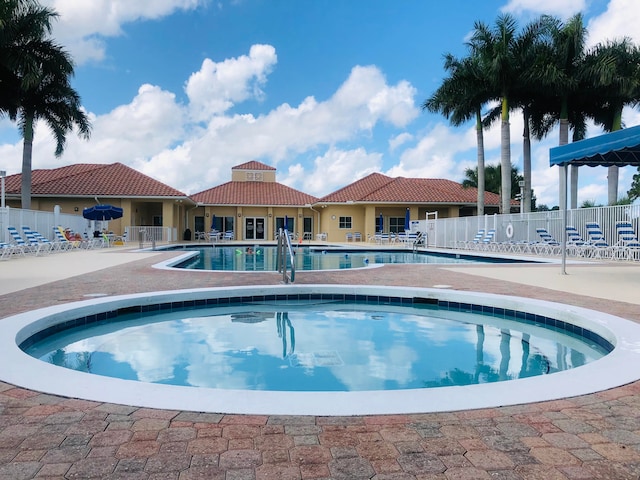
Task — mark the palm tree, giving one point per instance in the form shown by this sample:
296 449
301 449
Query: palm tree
493 176
37 72
495 49
460 98
615 67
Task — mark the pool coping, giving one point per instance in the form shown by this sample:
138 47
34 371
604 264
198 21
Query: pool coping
19 369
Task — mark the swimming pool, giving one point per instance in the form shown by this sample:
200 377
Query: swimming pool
319 344
18 368
263 258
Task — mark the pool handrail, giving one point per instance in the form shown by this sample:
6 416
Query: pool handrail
284 248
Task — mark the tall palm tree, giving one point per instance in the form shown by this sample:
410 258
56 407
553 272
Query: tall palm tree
615 67
493 176
460 98
37 73
495 49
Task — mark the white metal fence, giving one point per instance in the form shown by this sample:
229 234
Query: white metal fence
516 227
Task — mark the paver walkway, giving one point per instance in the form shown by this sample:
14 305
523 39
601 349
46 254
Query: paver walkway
42 436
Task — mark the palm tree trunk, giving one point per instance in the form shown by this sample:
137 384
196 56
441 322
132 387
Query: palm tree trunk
481 181
27 151
564 139
526 163
573 170
505 159
612 173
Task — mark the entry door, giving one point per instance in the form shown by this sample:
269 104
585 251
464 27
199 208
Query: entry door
254 228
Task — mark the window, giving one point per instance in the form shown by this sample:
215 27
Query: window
396 224
254 176
344 222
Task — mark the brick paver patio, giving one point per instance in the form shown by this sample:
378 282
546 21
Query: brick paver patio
42 436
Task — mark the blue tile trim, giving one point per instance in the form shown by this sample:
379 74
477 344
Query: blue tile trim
524 317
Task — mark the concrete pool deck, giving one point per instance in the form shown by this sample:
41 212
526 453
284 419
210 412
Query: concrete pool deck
591 436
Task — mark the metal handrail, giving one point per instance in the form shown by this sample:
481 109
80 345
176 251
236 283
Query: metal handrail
284 247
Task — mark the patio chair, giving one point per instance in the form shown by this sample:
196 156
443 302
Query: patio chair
349 237
575 244
63 240
18 242
36 240
628 246
357 237
474 242
599 246
229 235
488 241
549 245
6 250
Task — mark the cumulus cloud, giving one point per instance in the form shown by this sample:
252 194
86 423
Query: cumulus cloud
620 19
83 25
564 9
216 87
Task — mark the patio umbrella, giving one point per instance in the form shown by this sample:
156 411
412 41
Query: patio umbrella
406 220
286 221
213 222
102 212
381 225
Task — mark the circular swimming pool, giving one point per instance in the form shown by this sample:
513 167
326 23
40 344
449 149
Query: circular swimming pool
18 368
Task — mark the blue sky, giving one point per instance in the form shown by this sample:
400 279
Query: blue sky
325 91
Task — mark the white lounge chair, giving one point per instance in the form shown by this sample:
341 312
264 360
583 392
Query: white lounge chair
549 245
628 246
599 246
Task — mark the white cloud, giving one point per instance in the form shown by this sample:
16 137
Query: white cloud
619 20
564 8
216 87
399 140
82 25
335 169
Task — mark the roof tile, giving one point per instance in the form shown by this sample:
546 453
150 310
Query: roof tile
253 193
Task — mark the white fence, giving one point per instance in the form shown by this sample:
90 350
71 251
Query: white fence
448 232
44 222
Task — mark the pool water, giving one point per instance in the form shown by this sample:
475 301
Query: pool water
263 258
316 346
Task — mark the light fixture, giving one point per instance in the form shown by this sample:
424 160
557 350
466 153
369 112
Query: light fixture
270 215
239 214
75 209
333 217
206 214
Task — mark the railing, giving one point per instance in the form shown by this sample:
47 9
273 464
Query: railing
143 234
521 227
284 252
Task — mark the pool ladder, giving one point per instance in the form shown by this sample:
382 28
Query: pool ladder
284 252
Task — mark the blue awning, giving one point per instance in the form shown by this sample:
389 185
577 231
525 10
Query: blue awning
620 148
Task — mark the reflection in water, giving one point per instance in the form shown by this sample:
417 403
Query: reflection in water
333 347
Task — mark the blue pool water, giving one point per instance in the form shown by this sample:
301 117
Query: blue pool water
263 258
317 345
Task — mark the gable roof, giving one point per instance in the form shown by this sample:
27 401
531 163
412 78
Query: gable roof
253 193
376 188
85 179
252 165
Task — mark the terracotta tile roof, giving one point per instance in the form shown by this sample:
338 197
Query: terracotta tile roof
253 193
114 179
252 165
380 188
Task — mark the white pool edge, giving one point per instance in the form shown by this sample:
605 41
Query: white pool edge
20 369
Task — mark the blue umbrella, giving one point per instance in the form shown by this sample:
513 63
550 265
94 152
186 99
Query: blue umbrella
381 226
213 222
102 212
406 220
286 222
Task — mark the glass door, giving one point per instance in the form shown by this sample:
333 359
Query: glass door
254 228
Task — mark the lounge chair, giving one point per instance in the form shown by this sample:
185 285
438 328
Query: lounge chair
575 244
63 240
37 241
19 242
6 250
474 242
599 246
488 241
628 246
549 245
